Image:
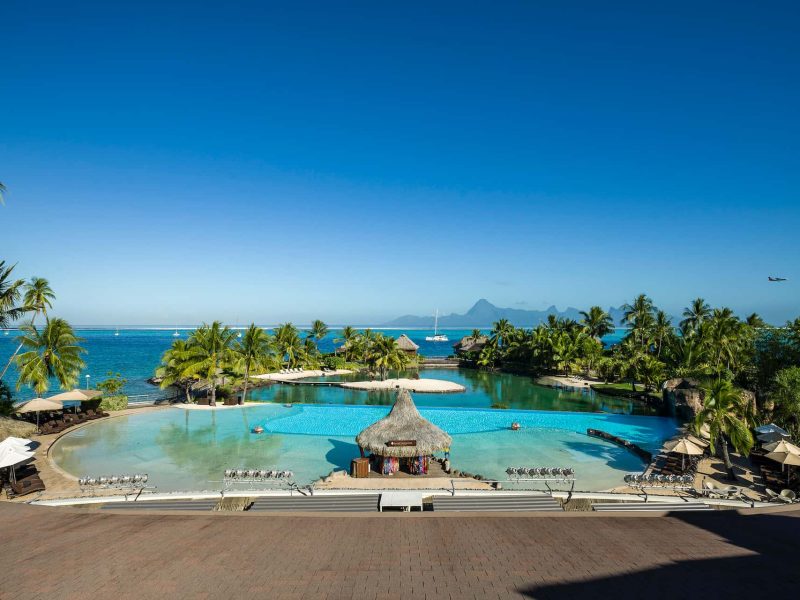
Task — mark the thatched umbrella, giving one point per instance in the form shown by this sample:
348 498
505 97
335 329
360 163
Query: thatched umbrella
684 447
403 423
76 395
406 345
38 405
785 453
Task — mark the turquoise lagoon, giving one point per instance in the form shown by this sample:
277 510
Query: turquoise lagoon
189 449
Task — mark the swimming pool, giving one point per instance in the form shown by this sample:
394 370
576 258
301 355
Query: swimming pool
189 449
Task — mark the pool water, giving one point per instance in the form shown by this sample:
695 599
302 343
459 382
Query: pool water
189 449
483 390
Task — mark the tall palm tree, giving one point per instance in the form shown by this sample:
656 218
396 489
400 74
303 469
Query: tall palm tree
253 351
724 334
476 334
318 331
695 314
662 330
37 298
639 316
597 322
53 352
755 321
211 350
175 363
348 338
289 345
725 412
501 330
10 288
385 354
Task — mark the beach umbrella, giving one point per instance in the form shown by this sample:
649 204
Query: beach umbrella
771 428
11 457
772 436
684 447
785 453
783 447
76 395
21 444
38 405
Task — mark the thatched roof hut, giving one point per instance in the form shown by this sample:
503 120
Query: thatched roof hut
403 424
406 345
470 344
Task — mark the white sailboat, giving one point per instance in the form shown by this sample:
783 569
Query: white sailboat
436 337
116 333
176 334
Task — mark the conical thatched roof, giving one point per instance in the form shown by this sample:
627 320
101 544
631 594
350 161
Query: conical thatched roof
404 343
403 423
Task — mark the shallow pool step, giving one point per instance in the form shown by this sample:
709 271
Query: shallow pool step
201 504
496 503
344 503
649 506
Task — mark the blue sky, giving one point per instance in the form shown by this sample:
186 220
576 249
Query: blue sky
358 161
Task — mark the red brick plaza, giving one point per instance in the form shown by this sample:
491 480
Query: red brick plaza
53 553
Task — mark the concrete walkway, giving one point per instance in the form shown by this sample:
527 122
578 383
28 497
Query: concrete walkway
59 553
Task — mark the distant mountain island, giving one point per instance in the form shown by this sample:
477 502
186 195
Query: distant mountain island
483 313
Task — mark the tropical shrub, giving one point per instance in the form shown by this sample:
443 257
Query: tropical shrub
112 403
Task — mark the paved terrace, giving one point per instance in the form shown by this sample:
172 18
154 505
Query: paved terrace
74 553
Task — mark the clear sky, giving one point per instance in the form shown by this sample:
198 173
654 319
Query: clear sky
171 162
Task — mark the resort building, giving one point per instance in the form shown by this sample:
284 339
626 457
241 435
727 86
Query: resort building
402 441
470 344
406 345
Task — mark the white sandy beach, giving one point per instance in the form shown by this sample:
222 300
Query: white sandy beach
414 385
300 375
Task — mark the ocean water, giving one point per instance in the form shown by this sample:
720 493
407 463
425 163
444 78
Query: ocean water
135 353
189 449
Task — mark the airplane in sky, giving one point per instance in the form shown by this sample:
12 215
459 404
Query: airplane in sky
777 278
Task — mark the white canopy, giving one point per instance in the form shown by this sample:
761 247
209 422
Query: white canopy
10 457
15 442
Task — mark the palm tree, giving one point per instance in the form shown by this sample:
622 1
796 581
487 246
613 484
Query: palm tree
755 321
639 316
501 330
289 345
597 322
651 372
726 413
349 335
37 298
385 354
253 351
724 334
662 330
476 335
174 366
686 356
695 314
53 352
318 331
210 351
9 296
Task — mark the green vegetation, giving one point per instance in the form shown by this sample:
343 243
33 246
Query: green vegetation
212 354
113 384
711 346
42 355
110 403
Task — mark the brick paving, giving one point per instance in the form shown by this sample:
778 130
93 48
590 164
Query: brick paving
72 553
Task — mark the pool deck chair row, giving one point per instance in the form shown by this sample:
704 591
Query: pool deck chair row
539 502
343 503
649 506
